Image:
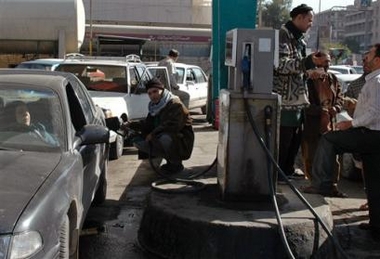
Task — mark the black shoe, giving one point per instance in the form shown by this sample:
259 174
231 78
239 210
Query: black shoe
333 192
365 226
172 168
375 231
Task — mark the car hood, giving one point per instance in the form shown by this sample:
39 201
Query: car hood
21 175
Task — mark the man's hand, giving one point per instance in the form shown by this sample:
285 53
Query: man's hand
333 111
343 125
318 59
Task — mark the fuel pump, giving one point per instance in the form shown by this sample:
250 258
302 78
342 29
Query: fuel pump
242 162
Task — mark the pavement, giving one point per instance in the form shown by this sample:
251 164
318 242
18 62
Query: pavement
123 210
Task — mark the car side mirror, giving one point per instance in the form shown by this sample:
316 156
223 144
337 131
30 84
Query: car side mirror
92 134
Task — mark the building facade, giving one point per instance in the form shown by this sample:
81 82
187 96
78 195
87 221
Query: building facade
165 24
358 23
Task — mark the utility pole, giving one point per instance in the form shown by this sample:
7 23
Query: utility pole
90 44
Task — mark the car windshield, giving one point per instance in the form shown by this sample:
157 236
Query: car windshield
30 119
99 77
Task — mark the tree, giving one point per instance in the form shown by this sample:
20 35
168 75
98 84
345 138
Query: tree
275 13
353 45
338 52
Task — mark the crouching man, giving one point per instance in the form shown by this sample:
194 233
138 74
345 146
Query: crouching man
167 130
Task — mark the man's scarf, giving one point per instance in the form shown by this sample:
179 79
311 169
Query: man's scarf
155 108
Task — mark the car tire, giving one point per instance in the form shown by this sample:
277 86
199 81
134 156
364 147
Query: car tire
116 148
64 239
101 192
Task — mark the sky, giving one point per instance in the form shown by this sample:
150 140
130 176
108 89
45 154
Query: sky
325 4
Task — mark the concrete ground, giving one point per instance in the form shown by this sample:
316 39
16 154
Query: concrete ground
111 229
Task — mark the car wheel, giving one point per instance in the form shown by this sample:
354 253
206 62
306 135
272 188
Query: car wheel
204 109
116 148
64 239
101 192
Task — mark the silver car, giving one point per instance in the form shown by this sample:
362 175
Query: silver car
53 162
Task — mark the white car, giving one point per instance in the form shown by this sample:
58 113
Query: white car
41 63
343 69
346 79
117 86
193 80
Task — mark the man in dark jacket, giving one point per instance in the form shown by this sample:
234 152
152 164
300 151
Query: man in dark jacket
290 82
167 131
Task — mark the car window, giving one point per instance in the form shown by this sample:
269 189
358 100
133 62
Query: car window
87 107
35 66
144 76
108 78
199 76
180 74
190 76
134 78
31 119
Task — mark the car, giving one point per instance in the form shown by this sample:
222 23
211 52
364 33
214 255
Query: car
193 80
346 79
46 188
358 69
343 69
116 84
42 63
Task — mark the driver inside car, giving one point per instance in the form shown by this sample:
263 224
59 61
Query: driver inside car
22 123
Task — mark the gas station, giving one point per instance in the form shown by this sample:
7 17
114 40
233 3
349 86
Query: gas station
242 213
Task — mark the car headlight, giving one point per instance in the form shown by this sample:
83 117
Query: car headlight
25 244
4 245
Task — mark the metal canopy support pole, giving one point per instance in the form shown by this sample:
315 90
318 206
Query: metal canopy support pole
227 15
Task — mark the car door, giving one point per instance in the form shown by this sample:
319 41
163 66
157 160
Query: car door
190 85
137 99
201 83
83 112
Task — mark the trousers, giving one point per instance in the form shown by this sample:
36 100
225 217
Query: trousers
355 140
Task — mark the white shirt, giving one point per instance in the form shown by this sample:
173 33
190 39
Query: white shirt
367 111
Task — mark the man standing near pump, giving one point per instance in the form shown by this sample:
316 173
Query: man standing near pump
290 83
168 62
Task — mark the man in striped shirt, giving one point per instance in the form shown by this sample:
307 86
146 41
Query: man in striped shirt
359 135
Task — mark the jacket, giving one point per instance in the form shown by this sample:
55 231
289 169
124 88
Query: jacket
174 119
289 80
324 94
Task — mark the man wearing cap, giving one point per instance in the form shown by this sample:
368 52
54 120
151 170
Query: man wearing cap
167 130
290 82
169 63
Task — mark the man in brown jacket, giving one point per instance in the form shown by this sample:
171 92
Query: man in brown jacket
326 100
167 131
